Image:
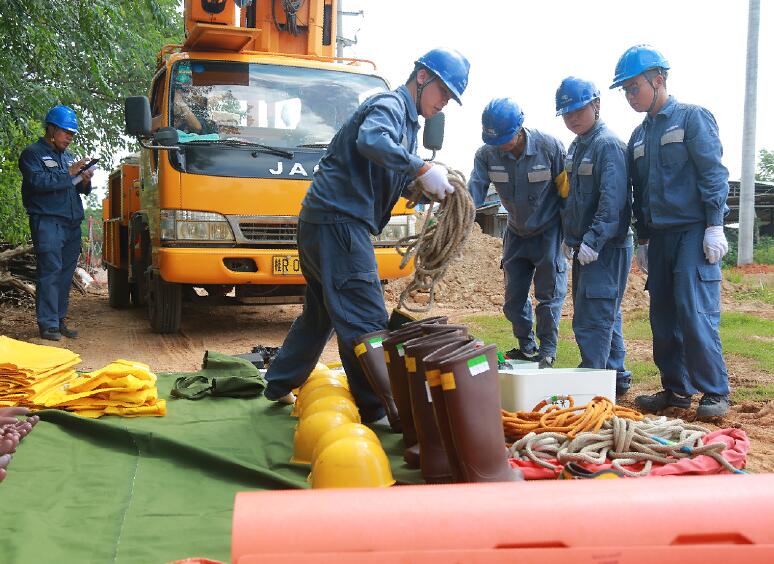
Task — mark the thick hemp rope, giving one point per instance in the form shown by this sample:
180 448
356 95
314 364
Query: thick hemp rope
623 442
444 231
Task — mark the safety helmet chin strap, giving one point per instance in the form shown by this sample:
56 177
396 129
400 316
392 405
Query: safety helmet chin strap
649 80
421 87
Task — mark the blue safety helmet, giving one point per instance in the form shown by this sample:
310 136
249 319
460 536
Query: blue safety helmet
635 61
501 120
63 117
574 93
450 66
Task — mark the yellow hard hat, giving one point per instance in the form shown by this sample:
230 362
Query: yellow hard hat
352 462
321 392
310 386
310 429
333 403
323 374
348 430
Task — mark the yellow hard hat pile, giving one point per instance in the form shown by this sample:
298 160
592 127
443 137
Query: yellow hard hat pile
40 376
343 453
27 370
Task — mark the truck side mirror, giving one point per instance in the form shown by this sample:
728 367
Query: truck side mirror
432 137
166 137
137 116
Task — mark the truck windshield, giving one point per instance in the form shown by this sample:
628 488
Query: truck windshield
281 106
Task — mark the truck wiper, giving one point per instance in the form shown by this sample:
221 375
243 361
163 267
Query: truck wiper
246 144
319 145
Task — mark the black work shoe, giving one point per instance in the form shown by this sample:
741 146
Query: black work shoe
518 354
712 405
546 362
661 400
51 334
66 331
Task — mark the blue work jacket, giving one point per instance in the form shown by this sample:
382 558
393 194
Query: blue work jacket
598 210
677 174
525 185
47 187
368 165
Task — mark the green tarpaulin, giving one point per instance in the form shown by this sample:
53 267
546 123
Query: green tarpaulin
151 489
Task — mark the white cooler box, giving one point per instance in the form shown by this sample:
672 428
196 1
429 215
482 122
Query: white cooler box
523 386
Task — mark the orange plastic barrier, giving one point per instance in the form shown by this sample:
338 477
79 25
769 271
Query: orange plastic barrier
708 519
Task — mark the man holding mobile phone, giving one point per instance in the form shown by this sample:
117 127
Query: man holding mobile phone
52 182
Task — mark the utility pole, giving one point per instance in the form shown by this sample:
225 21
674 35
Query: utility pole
342 41
747 184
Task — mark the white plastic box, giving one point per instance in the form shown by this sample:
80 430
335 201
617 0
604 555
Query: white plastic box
523 386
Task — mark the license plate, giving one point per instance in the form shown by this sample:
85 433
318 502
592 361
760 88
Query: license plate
285 265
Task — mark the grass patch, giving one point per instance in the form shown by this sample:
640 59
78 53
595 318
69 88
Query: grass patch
742 334
733 276
763 392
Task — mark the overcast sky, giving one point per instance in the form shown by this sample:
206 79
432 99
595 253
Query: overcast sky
524 49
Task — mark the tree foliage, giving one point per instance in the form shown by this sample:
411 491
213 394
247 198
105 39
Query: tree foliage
88 54
765 166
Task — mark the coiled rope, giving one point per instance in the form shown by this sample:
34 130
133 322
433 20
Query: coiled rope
445 229
623 442
569 421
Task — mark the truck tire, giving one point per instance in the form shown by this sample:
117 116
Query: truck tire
165 304
118 287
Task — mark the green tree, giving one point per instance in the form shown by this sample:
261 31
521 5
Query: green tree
765 166
88 54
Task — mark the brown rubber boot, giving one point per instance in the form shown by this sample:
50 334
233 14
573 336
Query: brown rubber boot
396 368
433 460
471 391
433 379
370 353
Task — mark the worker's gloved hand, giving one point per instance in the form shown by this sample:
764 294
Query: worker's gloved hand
567 251
435 182
715 244
642 257
586 254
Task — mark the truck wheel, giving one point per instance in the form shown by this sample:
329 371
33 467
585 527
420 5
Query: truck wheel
139 288
165 304
118 287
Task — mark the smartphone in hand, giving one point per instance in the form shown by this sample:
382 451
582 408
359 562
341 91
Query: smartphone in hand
88 165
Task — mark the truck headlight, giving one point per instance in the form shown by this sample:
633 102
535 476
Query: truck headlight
188 225
397 228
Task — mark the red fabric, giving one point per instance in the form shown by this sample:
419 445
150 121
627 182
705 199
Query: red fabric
736 441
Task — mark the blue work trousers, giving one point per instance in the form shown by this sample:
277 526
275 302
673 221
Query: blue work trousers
538 257
57 244
343 294
685 313
597 291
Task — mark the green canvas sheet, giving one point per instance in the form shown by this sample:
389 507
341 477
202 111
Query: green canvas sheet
152 489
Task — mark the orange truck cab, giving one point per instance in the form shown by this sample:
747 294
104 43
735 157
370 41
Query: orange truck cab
236 121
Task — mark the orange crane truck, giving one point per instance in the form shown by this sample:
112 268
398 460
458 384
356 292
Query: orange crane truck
236 120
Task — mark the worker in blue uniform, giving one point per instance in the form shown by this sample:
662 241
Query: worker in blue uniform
597 235
51 187
367 167
680 190
527 169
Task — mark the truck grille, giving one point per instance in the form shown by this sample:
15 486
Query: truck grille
275 230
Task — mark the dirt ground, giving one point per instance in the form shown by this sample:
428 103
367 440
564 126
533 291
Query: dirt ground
472 285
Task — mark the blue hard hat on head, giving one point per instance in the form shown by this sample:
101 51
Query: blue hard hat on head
635 61
450 66
501 120
63 117
574 93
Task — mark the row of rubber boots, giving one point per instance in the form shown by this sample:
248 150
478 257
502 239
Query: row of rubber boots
440 388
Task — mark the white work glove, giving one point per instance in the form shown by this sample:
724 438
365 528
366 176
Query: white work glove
435 183
715 244
586 254
642 257
567 251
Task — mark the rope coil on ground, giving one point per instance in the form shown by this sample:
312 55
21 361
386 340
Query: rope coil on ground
623 442
444 230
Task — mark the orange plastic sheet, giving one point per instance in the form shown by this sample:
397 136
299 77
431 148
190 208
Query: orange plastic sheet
708 519
736 441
